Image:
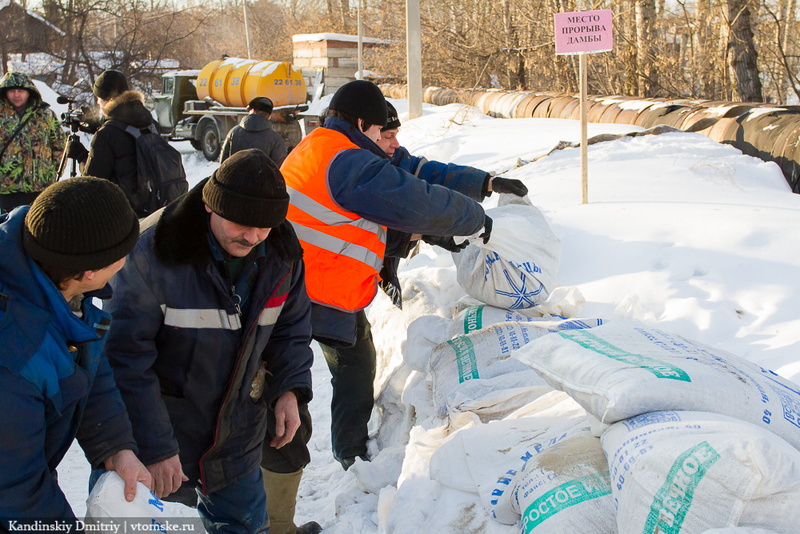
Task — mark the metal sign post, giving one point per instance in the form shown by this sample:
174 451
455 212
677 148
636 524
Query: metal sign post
581 33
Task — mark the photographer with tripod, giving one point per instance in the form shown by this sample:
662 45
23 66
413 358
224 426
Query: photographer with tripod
31 142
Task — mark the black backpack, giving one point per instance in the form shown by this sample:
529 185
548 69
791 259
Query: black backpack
160 177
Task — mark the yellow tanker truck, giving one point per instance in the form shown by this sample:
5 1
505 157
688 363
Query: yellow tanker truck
201 106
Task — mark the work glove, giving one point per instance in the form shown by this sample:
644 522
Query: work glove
447 243
487 229
509 185
77 151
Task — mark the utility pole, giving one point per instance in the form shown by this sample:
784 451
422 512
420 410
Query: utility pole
247 31
413 59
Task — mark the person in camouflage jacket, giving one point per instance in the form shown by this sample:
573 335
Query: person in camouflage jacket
30 160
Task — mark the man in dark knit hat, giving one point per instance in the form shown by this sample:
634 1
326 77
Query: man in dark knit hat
255 131
475 183
211 343
345 194
112 154
55 382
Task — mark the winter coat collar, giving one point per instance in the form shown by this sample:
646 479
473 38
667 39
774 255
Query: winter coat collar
255 122
352 133
180 233
129 108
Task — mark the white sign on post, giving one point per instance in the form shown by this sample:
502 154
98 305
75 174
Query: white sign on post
581 33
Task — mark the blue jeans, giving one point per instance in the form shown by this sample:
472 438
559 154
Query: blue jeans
240 508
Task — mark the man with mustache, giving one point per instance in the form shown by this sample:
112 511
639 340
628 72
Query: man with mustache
211 352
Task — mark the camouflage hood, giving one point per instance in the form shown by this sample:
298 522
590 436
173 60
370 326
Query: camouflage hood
18 80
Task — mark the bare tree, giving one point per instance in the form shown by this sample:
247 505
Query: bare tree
741 54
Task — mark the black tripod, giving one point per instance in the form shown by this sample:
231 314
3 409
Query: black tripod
71 119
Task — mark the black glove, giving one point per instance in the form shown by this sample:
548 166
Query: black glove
77 151
487 229
509 185
447 243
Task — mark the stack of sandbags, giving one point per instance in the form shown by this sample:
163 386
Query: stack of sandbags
474 372
736 464
540 466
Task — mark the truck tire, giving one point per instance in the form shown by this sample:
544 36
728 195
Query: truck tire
210 142
196 144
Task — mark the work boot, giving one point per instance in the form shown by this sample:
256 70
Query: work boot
312 527
281 491
350 460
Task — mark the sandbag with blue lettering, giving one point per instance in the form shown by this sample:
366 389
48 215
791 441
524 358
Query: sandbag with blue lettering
475 372
678 472
624 368
517 268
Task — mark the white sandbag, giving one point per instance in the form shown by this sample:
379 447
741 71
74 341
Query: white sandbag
566 488
107 502
624 369
494 398
687 472
484 459
476 318
518 267
485 354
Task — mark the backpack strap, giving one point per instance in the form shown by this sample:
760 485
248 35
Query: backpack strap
132 130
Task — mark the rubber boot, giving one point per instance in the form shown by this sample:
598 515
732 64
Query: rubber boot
281 491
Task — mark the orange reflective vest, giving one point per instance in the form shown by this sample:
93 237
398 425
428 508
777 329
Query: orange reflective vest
343 252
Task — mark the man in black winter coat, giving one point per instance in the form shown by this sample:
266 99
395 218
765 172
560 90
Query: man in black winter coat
112 154
255 131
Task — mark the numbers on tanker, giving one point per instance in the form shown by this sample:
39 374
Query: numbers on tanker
202 82
287 81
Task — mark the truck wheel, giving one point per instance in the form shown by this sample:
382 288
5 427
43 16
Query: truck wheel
209 139
197 145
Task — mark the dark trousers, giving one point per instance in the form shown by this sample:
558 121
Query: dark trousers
352 374
9 201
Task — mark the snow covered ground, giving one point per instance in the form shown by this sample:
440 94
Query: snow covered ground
680 232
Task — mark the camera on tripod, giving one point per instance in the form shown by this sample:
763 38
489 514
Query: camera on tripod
72 118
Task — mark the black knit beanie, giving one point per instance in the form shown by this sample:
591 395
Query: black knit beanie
110 84
392 120
361 99
248 189
80 224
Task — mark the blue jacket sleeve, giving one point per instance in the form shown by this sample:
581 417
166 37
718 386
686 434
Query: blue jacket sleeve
378 191
288 354
464 179
132 352
105 428
27 486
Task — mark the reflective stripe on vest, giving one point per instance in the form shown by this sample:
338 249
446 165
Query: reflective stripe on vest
342 251
331 243
200 318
